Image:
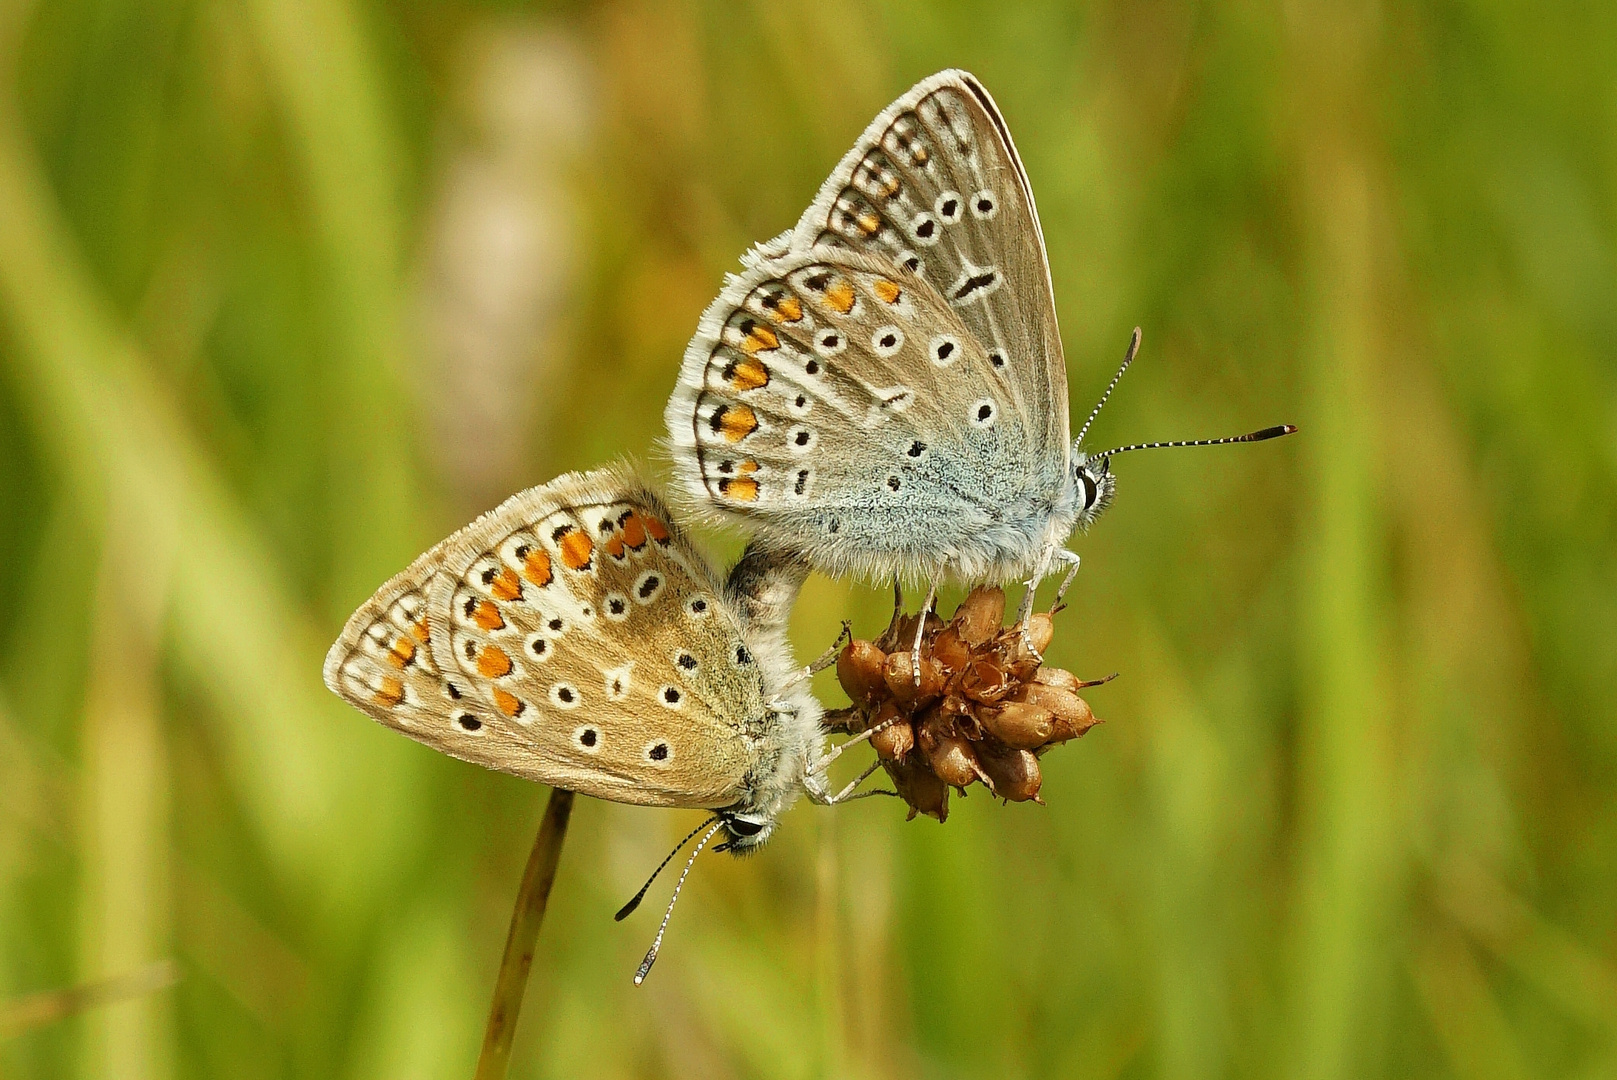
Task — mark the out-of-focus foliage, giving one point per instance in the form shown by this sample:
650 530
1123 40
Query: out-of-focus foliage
291 288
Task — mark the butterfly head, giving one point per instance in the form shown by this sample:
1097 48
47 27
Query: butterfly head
774 782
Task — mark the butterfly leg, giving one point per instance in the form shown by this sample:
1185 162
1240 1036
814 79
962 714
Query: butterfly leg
827 658
920 630
1071 559
848 792
835 752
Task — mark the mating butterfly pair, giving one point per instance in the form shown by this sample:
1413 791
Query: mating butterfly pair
880 392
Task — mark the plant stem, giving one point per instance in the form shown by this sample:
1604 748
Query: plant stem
512 983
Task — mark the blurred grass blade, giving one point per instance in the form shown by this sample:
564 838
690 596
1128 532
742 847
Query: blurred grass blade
107 425
47 1007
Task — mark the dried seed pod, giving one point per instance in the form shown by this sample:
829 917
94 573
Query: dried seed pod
920 787
1013 774
950 649
980 614
901 682
896 739
1017 724
985 680
1023 662
949 756
1053 699
1053 676
1066 728
860 669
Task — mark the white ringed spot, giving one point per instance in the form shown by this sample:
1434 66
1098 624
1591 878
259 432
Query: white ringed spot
886 341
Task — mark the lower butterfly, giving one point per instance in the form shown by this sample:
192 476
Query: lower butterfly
574 636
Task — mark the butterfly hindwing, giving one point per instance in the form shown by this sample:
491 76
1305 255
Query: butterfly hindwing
572 636
830 396
935 184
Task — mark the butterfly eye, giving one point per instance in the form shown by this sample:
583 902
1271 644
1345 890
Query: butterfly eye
1089 489
741 826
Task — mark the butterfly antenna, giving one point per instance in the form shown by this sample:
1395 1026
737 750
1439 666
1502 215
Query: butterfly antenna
1128 358
628 909
1251 436
657 942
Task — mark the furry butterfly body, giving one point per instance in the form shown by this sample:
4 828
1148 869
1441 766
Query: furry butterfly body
575 637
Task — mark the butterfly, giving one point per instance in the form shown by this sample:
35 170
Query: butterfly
574 636
883 387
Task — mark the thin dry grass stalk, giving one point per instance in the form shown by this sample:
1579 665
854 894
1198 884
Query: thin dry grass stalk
532 896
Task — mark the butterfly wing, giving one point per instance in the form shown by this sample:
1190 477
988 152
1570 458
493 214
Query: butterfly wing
572 636
935 184
845 409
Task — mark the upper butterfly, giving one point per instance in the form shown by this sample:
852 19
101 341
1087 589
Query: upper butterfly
883 388
574 636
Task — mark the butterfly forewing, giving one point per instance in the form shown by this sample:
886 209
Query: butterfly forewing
573 637
936 185
827 389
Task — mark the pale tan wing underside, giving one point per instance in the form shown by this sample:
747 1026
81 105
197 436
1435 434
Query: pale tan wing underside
935 184
828 380
572 636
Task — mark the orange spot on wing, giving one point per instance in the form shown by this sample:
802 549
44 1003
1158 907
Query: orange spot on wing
488 616
419 629
577 549
391 692
634 532
747 468
401 652
788 309
747 374
506 586
840 296
868 223
740 490
886 291
735 422
536 567
658 531
759 338
614 546
508 703
492 663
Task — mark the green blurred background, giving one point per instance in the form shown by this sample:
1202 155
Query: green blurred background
291 288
